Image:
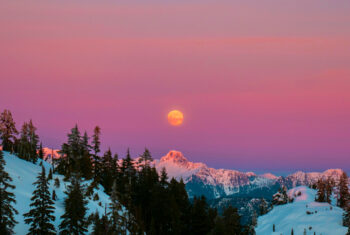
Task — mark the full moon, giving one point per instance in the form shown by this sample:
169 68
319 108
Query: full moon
175 117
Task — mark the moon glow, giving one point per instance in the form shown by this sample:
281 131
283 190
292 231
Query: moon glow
175 117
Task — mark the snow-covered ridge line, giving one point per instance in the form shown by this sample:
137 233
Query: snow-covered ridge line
224 182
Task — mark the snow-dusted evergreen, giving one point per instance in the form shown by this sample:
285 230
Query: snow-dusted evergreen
7 199
40 216
280 197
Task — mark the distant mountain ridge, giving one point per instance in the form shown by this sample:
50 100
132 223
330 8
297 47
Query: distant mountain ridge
216 183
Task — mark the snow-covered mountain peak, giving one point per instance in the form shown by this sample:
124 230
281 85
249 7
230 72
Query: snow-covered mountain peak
250 174
333 173
302 178
50 154
269 176
176 157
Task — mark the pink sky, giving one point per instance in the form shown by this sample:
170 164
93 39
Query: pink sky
264 85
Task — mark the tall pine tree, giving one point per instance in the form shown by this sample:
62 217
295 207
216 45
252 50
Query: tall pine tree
8 130
40 217
41 152
107 174
145 159
33 142
344 195
96 147
28 142
73 220
321 191
7 211
117 215
329 189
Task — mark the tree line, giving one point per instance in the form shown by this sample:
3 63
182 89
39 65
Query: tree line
142 200
326 188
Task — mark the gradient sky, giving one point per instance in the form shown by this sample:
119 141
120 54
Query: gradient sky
264 85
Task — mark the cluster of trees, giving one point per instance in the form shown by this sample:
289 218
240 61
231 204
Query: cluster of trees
325 189
26 145
142 200
280 197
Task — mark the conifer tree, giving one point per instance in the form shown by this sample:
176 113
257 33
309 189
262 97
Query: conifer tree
96 147
115 169
128 167
71 150
163 177
75 156
57 182
73 220
54 196
96 140
23 148
28 142
33 142
263 206
7 211
200 217
40 217
346 216
321 191
232 220
329 189
280 197
180 197
344 196
86 167
49 177
8 130
101 225
128 174
107 171
146 158
117 216
41 152
85 142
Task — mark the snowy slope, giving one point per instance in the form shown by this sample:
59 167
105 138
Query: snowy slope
324 219
24 174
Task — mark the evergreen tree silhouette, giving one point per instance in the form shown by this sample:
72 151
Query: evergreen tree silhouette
7 211
40 217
